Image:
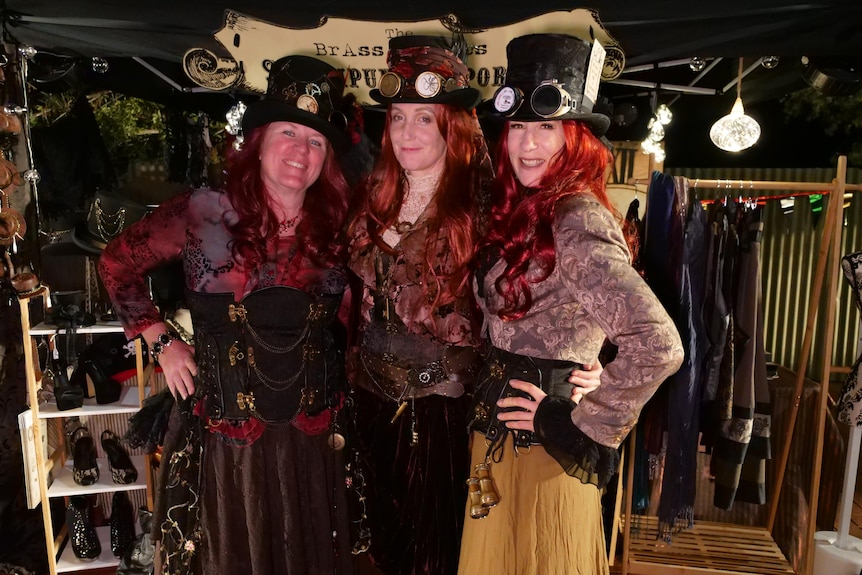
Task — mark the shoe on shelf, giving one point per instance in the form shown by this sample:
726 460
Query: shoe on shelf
85 469
107 390
82 534
66 395
122 523
122 469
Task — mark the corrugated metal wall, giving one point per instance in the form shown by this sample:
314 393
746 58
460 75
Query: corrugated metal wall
791 244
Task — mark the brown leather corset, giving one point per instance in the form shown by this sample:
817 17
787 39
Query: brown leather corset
277 352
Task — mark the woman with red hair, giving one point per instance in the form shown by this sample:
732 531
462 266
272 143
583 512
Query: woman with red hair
554 280
250 483
417 221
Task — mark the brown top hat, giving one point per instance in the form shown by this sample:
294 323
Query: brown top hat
545 80
109 215
12 225
304 90
9 123
425 69
9 174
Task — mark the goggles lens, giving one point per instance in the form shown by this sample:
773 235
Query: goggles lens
550 100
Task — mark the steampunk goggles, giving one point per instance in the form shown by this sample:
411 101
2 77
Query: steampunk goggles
427 84
548 100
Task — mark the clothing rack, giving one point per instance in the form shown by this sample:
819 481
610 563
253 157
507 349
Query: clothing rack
721 548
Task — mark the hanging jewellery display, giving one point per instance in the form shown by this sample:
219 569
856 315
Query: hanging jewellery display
115 221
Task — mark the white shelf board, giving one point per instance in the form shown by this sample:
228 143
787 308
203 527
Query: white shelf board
128 403
64 484
68 563
99 327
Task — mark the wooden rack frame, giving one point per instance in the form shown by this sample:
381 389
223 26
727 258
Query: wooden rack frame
726 549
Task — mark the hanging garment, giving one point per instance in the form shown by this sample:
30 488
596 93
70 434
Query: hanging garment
676 507
742 445
850 403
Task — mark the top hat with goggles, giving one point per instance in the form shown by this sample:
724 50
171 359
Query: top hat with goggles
545 80
425 69
306 91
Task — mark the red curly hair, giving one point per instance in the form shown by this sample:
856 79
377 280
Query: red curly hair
521 222
324 210
457 217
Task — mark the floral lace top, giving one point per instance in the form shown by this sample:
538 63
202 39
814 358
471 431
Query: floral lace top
191 228
592 293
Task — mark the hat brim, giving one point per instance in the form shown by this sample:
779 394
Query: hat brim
267 111
85 242
466 98
597 123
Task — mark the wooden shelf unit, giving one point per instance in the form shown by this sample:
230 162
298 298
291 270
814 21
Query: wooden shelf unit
54 472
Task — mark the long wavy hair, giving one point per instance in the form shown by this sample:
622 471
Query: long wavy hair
521 221
319 232
457 208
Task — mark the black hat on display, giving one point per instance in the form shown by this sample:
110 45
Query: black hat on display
304 90
109 215
425 69
545 80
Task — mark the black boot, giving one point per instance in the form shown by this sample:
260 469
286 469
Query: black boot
122 523
82 534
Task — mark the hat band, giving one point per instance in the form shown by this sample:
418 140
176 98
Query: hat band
548 100
426 85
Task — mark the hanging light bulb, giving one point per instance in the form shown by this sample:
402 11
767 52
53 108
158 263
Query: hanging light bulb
769 62
664 115
656 130
736 131
99 65
659 154
697 64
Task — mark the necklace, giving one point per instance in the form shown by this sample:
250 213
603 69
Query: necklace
287 224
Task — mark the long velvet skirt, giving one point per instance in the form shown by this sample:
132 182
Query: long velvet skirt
417 495
545 523
275 507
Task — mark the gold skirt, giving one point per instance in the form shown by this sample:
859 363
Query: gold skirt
546 523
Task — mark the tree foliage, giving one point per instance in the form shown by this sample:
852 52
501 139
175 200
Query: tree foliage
839 116
132 129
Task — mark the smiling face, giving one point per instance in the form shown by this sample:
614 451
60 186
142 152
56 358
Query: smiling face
291 158
416 140
532 145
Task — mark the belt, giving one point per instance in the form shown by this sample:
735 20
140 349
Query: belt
447 376
551 375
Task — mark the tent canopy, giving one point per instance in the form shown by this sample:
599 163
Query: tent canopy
144 42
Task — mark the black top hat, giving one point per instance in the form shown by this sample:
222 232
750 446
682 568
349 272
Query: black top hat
304 90
425 69
545 81
109 215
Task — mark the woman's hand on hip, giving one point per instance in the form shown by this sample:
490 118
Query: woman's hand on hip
179 368
523 416
585 380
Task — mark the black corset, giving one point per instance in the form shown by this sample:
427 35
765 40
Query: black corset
277 352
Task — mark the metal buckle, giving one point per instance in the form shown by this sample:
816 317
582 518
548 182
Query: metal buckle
235 311
428 375
244 400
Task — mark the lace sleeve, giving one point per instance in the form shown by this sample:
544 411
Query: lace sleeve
123 266
580 456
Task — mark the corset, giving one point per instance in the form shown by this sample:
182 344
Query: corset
551 375
275 353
